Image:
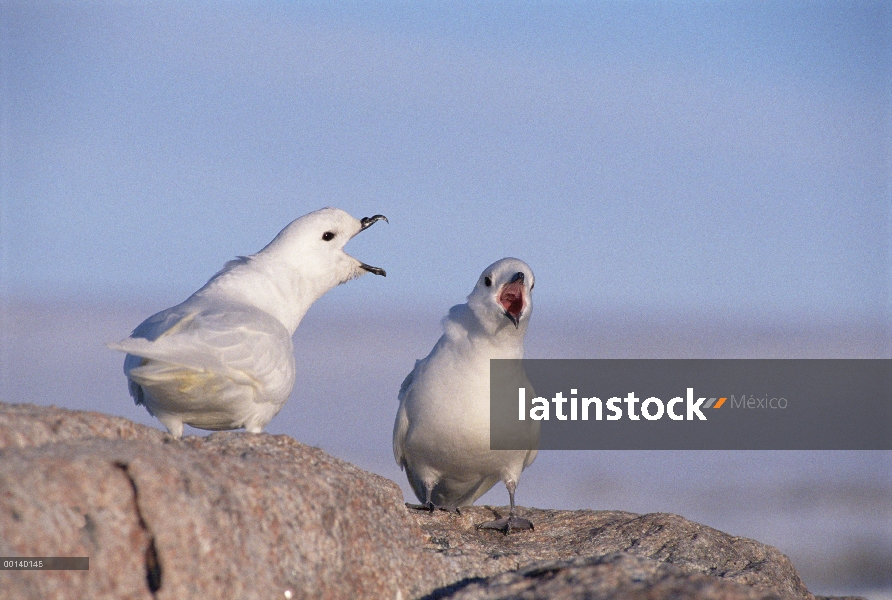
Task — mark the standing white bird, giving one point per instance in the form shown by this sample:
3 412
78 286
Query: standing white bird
223 359
441 436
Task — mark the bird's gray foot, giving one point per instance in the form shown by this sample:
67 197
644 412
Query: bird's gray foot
508 524
431 507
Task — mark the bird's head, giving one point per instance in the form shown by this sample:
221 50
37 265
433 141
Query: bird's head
503 295
313 245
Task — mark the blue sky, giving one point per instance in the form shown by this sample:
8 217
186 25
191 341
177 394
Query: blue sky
686 179
725 157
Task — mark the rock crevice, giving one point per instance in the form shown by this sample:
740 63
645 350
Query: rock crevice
152 561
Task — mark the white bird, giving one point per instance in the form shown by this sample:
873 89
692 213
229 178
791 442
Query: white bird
223 359
441 435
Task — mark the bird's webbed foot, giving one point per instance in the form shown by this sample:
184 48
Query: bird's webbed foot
508 524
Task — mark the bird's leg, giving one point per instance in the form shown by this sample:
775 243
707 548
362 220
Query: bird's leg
512 522
174 424
429 504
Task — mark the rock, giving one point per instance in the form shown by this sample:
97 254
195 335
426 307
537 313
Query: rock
610 576
237 515
26 425
564 535
228 516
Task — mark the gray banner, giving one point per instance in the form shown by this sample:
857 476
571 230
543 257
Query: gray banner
44 563
770 404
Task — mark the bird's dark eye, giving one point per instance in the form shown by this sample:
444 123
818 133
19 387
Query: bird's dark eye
532 286
487 281
328 236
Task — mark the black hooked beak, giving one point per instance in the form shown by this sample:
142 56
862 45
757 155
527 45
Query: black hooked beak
517 277
371 269
365 223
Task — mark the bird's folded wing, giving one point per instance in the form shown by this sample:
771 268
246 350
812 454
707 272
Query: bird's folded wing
246 346
401 425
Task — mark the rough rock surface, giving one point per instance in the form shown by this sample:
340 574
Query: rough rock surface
611 576
236 515
563 535
26 425
228 516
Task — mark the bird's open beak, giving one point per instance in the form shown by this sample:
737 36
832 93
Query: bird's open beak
369 221
511 298
371 269
365 223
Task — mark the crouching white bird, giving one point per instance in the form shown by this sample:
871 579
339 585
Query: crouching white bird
441 436
223 359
